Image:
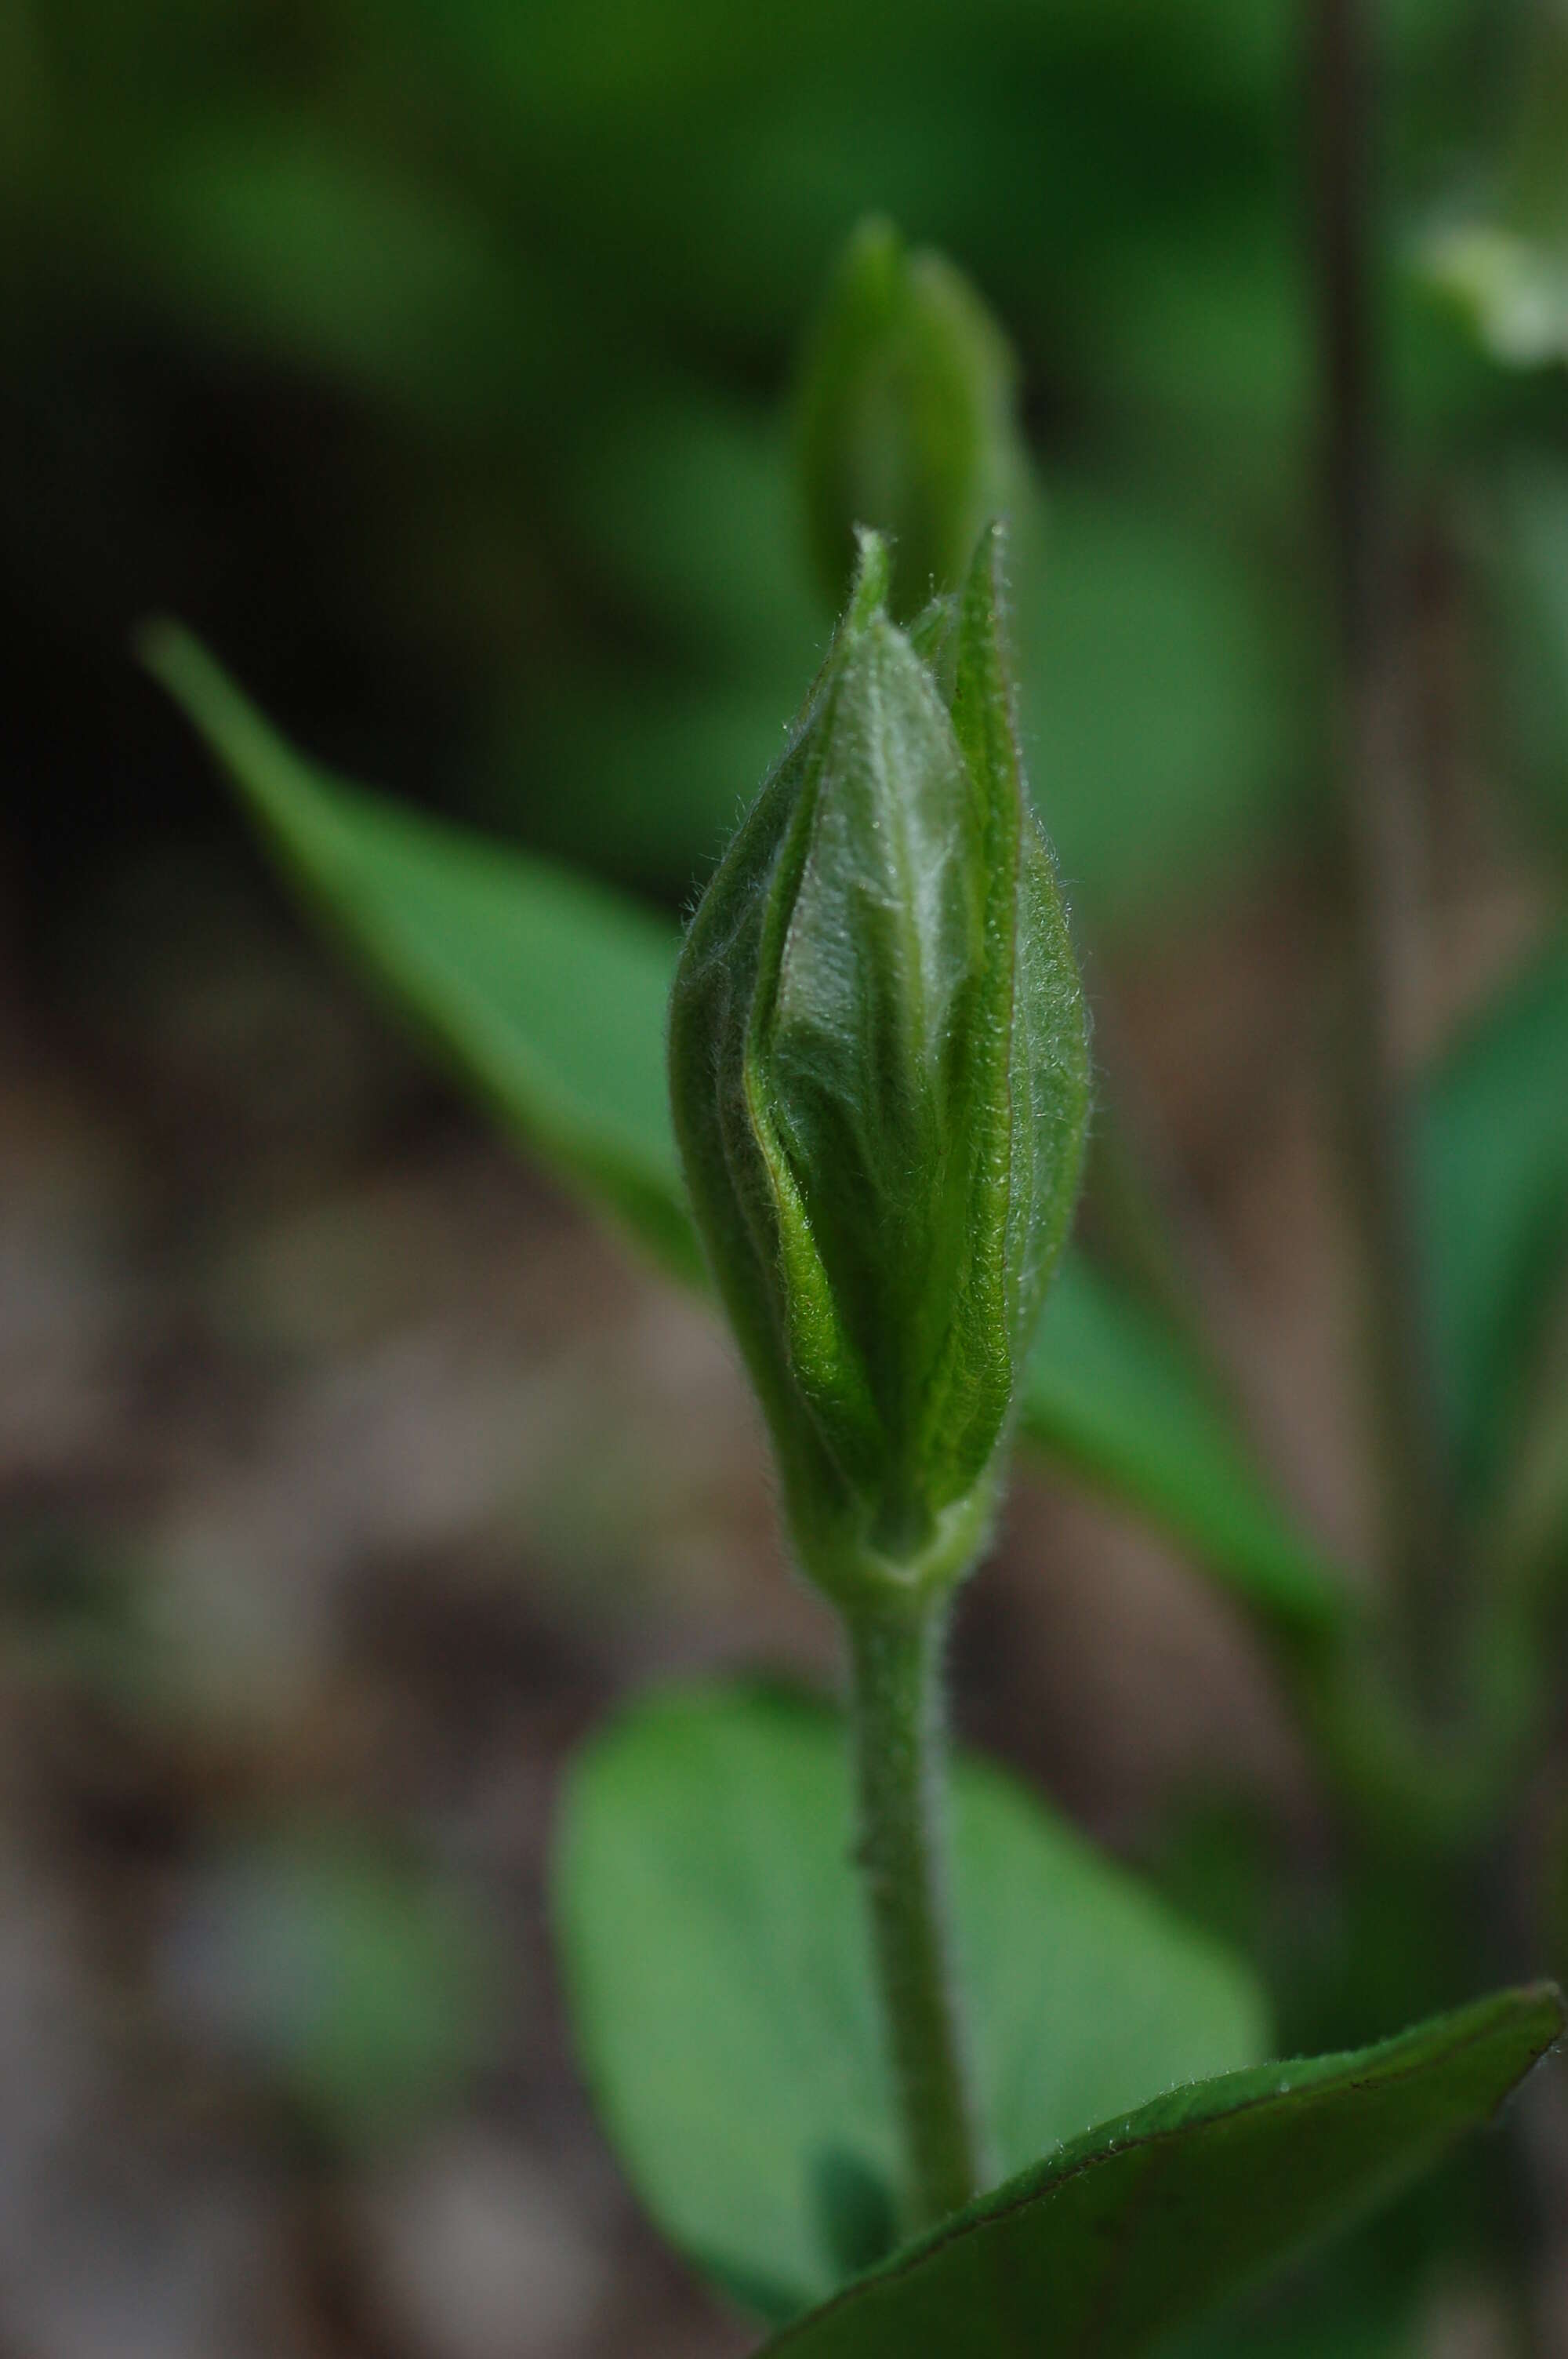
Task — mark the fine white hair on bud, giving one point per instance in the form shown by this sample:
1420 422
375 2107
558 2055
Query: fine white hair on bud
879 1069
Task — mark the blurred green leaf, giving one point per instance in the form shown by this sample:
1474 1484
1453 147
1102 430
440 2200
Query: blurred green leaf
278 236
1165 713
690 507
907 422
544 989
1116 1397
550 995
1113 2241
722 1986
363 1988
1339 2310
663 752
1494 1167
686 514
1198 327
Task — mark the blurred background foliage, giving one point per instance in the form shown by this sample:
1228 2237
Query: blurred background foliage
435 361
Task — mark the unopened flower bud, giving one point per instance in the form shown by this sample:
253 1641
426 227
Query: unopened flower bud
879 1072
906 418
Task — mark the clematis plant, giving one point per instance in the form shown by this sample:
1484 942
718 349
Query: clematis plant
894 2057
878 1070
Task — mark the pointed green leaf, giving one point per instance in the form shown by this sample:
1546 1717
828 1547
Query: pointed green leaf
720 1982
1114 1395
1115 2240
907 402
549 996
545 991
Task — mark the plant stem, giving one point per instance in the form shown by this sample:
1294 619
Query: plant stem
1379 829
896 1655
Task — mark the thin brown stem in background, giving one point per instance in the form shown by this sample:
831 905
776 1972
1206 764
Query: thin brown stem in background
1380 840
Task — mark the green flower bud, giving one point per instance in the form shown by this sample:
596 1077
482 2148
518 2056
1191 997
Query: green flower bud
906 418
879 1076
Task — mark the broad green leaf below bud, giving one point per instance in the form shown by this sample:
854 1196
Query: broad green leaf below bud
879 1077
906 418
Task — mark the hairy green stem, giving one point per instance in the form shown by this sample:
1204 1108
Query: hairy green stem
896 1651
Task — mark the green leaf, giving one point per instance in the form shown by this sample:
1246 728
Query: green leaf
907 408
690 507
1112 1393
364 1989
1111 2242
545 991
549 996
720 1982
1495 1172
1352 2303
1163 705
663 752
1164 701
271 235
